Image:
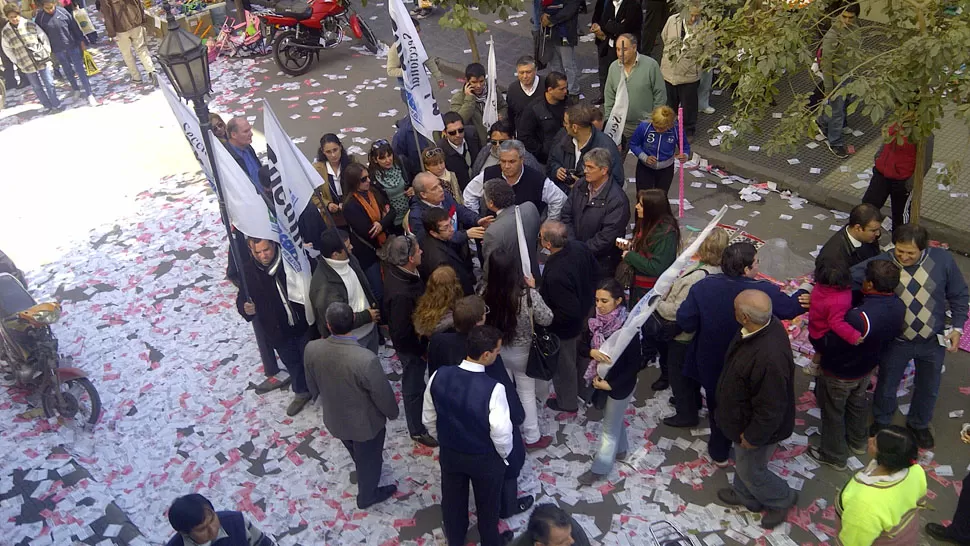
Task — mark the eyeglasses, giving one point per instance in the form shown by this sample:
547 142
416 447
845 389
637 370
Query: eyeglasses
496 141
408 240
365 178
458 131
428 154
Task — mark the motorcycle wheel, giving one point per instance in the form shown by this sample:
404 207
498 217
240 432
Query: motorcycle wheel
293 60
81 402
367 35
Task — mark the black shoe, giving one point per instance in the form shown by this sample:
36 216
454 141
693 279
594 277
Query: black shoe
941 533
271 383
425 440
383 493
521 505
874 429
924 438
730 497
774 517
679 421
507 537
816 454
297 405
553 404
599 101
660 384
839 151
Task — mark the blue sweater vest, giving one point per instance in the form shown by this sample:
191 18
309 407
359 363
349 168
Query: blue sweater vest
461 400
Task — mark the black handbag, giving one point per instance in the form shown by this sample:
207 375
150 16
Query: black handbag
543 47
544 350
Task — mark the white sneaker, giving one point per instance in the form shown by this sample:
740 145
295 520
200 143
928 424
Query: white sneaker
77 95
93 101
709 110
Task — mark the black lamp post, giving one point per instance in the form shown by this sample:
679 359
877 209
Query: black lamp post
186 63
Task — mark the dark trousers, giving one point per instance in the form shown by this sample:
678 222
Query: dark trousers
368 457
9 71
959 530
606 58
719 446
685 96
509 499
72 60
569 375
291 353
412 390
880 188
270 366
844 415
928 355
485 474
653 22
686 390
648 178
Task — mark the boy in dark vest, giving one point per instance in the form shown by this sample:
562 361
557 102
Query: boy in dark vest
198 524
470 413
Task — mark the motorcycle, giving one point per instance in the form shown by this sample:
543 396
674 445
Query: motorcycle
29 349
300 30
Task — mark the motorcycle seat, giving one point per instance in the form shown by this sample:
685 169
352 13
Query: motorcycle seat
297 9
14 298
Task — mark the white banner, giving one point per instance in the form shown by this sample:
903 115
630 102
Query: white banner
621 104
617 343
523 245
422 106
490 114
190 126
292 180
247 210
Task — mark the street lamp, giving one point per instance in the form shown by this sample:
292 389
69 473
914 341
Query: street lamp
186 63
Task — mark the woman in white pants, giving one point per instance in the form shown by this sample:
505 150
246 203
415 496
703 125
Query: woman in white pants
510 301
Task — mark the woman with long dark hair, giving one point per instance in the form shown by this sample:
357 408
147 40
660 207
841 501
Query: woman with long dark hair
513 305
332 159
391 176
370 217
652 251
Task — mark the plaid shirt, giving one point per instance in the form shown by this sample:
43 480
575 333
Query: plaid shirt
18 41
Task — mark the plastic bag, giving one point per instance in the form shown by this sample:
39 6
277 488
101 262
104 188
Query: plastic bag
89 65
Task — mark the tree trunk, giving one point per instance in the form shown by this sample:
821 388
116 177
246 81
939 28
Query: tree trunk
240 12
918 176
474 45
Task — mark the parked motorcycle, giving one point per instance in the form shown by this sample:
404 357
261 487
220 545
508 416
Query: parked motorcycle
299 30
29 350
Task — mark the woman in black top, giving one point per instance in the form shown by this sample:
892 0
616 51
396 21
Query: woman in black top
369 216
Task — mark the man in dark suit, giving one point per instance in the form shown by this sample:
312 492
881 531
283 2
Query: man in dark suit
460 146
608 23
439 250
449 349
429 194
502 233
355 398
470 413
855 243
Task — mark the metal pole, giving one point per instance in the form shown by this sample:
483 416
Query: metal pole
202 111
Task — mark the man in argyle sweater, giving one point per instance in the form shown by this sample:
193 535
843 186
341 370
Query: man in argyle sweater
929 283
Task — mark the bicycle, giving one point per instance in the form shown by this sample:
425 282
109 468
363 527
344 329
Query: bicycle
236 38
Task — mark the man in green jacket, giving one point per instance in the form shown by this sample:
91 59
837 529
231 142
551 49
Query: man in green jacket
842 38
470 101
644 82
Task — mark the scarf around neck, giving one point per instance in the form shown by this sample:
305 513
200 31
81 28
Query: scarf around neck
373 210
600 328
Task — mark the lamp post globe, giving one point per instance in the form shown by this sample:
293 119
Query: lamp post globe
185 60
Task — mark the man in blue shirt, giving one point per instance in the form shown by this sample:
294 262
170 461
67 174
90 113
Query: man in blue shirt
239 134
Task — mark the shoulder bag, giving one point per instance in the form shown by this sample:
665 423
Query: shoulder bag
544 351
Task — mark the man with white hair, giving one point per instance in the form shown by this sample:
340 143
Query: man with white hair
428 194
527 183
756 407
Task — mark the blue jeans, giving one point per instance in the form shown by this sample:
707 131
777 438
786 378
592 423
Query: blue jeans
928 355
291 353
564 60
43 83
755 483
833 125
536 15
704 91
613 438
72 61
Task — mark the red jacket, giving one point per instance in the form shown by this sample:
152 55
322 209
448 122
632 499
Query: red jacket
827 312
897 161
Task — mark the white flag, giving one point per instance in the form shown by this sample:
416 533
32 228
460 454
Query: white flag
617 343
190 126
422 106
247 210
490 114
292 180
523 245
621 104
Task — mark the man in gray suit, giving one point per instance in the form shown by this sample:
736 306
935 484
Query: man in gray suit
502 233
355 397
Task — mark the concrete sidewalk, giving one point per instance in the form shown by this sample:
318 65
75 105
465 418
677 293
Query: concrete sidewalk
836 185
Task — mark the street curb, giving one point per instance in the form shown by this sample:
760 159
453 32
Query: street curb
449 68
957 239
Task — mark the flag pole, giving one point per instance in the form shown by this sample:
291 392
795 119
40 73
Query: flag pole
680 123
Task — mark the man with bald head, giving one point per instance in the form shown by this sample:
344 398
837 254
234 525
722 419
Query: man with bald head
239 142
428 194
756 407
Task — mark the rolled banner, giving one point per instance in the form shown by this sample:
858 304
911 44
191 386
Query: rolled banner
523 245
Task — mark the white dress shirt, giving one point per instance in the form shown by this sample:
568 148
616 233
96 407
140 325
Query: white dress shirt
499 416
551 194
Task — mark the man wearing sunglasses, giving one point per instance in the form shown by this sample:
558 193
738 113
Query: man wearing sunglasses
460 147
499 132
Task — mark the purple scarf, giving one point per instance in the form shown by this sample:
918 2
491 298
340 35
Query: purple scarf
600 328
